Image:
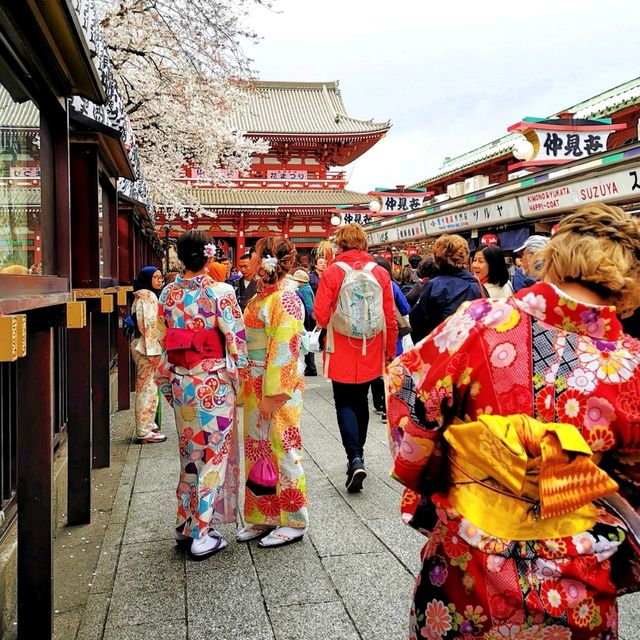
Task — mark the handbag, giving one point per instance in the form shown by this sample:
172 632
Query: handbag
404 326
262 479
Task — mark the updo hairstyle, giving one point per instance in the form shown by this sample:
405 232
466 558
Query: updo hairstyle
275 247
190 248
598 247
451 251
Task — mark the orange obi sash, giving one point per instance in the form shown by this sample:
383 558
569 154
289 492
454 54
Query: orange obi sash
520 479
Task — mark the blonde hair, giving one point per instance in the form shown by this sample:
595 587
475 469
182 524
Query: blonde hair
598 247
351 236
452 251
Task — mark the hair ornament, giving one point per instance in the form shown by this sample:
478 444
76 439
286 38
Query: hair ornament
269 264
210 250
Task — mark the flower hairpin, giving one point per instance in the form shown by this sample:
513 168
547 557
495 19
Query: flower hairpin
210 250
269 264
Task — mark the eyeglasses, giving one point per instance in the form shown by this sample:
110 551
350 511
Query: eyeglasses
158 277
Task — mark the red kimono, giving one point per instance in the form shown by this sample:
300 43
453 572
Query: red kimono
538 354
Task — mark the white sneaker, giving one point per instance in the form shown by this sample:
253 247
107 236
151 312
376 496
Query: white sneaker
207 546
253 531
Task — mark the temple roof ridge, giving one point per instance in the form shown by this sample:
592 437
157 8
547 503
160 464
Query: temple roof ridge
287 107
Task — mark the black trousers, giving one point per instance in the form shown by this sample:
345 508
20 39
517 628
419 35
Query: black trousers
352 410
377 393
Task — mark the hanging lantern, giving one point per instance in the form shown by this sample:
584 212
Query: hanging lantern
554 229
489 240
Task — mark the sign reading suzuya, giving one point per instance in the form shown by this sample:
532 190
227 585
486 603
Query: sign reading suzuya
609 187
560 140
485 215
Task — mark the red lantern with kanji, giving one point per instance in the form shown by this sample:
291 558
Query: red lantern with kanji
489 240
386 255
554 228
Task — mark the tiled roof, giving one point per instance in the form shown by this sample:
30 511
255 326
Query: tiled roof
19 196
14 114
300 107
248 198
600 106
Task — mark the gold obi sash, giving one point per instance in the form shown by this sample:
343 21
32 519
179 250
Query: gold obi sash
520 479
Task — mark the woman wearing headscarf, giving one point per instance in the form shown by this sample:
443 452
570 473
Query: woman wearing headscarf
205 348
508 424
146 351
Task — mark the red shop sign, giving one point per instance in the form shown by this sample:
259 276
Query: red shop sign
488 240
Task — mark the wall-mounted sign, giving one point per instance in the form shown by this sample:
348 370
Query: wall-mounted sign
560 140
489 240
359 217
402 202
408 231
24 172
617 186
485 215
279 174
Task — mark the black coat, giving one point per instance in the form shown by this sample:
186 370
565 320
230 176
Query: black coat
244 293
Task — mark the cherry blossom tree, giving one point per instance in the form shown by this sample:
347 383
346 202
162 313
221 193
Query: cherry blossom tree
182 72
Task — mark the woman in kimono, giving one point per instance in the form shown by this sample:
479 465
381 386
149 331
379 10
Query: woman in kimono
275 505
507 423
205 348
145 352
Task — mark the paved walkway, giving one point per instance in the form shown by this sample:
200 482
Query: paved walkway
351 577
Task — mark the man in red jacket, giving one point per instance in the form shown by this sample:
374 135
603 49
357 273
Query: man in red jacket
352 368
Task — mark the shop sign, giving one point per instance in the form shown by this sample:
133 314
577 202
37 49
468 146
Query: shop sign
412 231
402 202
412 251
620 185
355 216
286 175
489 240
482 216
24 172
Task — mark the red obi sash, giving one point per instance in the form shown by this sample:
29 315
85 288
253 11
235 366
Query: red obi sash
187 348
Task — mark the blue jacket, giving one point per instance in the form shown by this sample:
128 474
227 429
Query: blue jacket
402 306
305 293
522 281
440 298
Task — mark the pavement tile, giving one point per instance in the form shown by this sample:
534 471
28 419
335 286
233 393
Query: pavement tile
95 617
157 475
66 623
629 623
149 585
376 591
120 506
338 530
292 575
324 620
151 516
105 573
212 584
402 541
170 630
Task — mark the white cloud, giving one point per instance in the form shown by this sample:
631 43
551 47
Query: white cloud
450 76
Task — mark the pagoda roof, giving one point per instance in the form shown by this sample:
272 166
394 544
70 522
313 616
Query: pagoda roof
260 198
276 108
599 106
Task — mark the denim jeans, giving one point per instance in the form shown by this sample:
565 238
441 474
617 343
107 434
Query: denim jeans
352 410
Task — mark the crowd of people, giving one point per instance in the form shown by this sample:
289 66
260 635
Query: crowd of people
513 422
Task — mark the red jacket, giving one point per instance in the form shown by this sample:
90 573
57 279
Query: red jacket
347 364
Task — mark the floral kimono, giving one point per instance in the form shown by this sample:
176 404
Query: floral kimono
506 423
146 352
204 401
273 320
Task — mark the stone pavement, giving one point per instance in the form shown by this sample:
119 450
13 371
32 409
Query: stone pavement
351 577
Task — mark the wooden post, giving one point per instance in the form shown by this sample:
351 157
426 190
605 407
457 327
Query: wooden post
80 425
35 473
101 426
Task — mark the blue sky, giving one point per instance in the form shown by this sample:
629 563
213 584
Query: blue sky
452 76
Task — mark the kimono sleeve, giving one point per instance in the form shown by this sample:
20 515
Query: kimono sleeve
230 322
147 316
283 326
426 390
